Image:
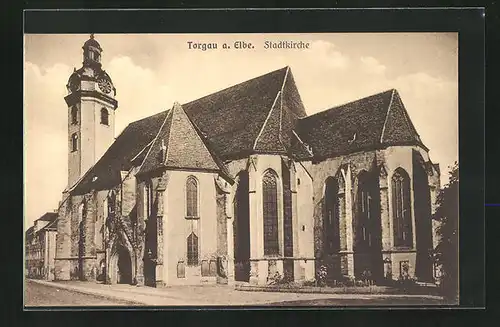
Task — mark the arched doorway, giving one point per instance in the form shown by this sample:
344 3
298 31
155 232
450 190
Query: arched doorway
124 266
242 229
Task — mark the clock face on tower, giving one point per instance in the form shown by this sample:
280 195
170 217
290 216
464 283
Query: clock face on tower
104 85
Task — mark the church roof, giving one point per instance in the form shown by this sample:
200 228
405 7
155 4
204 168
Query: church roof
368 123
132 140
234 118
262 115
179 145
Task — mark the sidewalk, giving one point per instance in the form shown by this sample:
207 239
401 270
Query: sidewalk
206 295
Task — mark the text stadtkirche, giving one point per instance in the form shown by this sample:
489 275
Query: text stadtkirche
246 45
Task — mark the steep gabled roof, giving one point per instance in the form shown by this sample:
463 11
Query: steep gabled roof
276 135
178 145
134 138
232 119
368 123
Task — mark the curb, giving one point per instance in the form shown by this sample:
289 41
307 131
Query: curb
84 291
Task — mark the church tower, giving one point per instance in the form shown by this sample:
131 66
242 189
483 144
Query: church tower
91 112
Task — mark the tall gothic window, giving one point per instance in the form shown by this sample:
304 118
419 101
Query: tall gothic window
104 116
331 216
401 208
74 115
192 249
364 232
148 199
270 206
191 197
74 142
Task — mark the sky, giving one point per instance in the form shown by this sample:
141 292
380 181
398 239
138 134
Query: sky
152 71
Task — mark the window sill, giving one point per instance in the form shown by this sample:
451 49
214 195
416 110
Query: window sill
192 218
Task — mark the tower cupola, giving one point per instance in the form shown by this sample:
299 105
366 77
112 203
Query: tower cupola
92 52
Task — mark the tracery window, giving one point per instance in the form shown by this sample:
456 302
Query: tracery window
401 208
191 197
331 217
270 210
192 249
365 211
148 199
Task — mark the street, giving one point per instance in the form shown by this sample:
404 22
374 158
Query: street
41 295
75 293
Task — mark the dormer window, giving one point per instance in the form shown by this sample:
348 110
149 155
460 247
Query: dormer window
104 116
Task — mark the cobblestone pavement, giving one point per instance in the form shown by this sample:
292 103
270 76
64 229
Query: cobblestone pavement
223 295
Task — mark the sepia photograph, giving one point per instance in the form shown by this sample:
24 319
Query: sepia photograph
270 170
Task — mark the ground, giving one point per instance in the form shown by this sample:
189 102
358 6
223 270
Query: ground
73 293
42 295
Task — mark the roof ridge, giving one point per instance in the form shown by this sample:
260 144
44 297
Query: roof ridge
347 103
170 131
221 90
407 118
265 121
154 141
387 116
238 84
142 150
304 144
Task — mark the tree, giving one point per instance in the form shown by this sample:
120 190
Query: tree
446 252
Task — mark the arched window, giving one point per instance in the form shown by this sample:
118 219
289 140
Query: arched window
74 115
104 116
270 206
364 215
401 208
192 249
331 221
191 197
74 142
148 199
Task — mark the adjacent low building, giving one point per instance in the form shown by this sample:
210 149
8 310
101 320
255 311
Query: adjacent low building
40 247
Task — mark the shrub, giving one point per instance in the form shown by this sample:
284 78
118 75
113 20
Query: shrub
310 283
322 275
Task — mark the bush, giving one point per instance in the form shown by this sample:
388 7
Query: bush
322 275
446 252
309 283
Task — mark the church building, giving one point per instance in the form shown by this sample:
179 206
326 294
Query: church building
240 185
